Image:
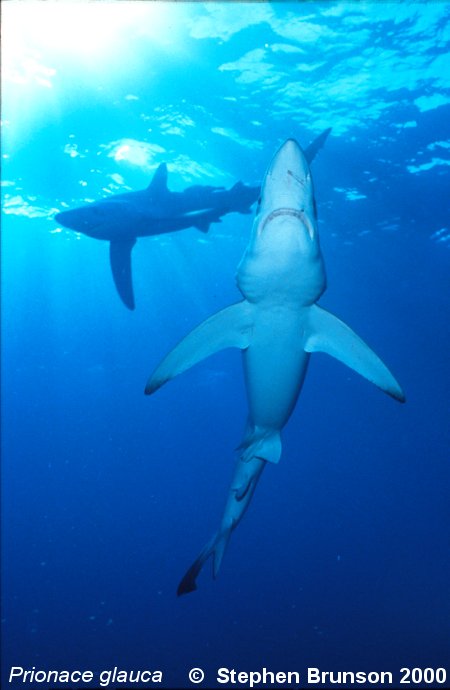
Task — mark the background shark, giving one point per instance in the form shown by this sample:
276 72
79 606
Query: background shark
277 326
122 218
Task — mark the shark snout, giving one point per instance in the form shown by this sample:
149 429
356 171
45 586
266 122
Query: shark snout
70 219
85 219
287 184
291 147
289 160
289 169
67 219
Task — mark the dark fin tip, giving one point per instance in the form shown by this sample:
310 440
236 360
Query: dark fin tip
399 396
186 586
393 393
153 386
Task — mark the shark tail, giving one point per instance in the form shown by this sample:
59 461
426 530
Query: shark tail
216 548
243 485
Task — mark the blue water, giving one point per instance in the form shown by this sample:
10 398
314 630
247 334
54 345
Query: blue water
343 560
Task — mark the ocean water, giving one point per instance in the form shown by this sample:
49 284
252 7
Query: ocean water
342 562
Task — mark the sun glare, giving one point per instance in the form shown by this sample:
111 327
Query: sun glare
36 34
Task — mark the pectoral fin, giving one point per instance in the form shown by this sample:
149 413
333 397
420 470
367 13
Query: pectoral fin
230 327
120 260
202 221
329 334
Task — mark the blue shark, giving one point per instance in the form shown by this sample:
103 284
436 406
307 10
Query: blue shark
277 326
122 218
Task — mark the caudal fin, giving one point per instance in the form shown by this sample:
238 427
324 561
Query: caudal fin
215 548
245 479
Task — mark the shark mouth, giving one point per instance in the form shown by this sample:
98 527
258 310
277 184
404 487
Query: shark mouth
290 212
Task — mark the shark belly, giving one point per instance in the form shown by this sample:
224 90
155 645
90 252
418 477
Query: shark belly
275 366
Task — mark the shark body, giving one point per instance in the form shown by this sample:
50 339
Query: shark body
277 326
122 218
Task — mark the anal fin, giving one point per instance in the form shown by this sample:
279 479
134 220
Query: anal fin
263 444
120 260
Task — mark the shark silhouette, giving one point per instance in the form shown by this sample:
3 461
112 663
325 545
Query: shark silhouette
122 218
277 325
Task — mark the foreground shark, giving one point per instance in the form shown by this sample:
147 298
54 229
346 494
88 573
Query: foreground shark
123 218
277 326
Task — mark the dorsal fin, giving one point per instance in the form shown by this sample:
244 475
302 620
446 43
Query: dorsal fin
159 181
316 145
